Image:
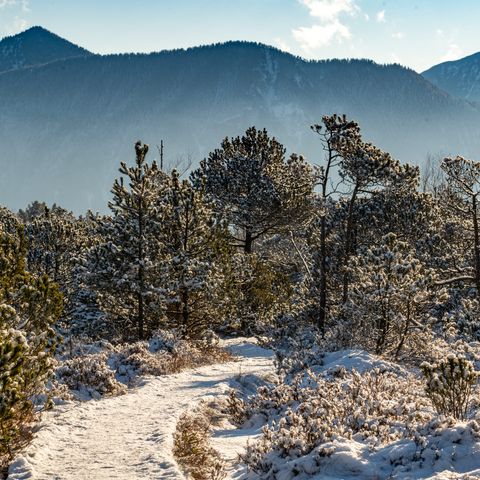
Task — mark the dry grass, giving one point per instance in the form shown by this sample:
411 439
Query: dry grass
192 449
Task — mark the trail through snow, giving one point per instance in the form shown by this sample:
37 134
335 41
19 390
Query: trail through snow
130 436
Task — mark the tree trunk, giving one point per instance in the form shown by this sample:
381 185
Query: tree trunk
348 245
322 312
185 310
140 316
248 247
476 244
405 331
141 276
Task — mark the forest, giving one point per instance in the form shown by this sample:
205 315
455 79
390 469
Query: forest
350 251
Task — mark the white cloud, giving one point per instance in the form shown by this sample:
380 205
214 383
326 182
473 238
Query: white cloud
24 4
328 26
440 32
454 52
7 3
380 16
395 58
398 35
282 45
329 10
320 35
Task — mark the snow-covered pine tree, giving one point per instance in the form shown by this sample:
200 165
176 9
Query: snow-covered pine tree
29 307
389 297
123 266
54 242
257 190
334 131
460 197
193 248
365 170
82 314
33 210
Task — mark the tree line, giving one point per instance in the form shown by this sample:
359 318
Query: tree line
253 238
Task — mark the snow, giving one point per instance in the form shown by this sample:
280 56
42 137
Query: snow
130 436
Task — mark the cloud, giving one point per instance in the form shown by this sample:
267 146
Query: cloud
329 10
7 3
282 45
380 16
395 58
14 16
398 35
328 26
454 52
321 35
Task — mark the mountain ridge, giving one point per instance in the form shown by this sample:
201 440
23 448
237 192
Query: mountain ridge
68 123
460 78
35 46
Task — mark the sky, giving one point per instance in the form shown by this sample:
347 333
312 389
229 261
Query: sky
414 33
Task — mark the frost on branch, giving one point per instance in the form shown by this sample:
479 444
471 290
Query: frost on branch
450 383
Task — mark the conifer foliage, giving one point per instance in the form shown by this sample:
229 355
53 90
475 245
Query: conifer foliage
29 307
193 248
123 264
255 187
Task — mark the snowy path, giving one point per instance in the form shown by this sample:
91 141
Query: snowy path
130 436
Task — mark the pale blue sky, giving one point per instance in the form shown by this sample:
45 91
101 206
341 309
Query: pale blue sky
416 33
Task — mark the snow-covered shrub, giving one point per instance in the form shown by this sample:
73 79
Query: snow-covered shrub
29 309
449 384
377 408
388 301
297 346
137 359
235 407
192 450
89 376
16 410
167 340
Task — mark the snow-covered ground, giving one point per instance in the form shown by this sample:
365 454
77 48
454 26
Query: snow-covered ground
130 436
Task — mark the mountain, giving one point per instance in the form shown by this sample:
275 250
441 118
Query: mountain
460 78
66 125
35 46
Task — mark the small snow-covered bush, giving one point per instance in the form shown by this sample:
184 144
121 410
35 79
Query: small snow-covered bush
100 368
192 450
90 375
377 408
449 384
137 359
297 346
164 354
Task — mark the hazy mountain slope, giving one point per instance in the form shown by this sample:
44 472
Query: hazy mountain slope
65 126
35 46
461 78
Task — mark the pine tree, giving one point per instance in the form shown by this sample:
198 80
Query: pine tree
29 308
193 251
124 264
334 132
257 190
390 295
460 198
365 170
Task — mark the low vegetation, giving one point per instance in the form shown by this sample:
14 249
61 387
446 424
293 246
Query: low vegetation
352 253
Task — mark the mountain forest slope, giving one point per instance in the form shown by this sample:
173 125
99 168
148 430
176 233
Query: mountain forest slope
66 124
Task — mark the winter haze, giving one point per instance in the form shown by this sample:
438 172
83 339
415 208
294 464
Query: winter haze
239 240
68 117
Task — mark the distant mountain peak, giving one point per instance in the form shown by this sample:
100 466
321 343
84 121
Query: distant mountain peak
460 77
35 46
